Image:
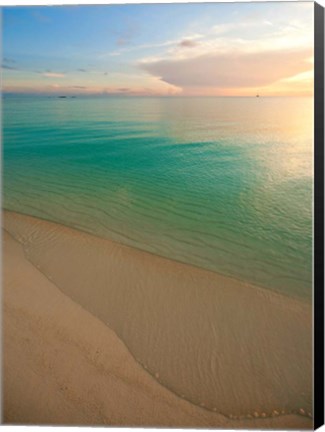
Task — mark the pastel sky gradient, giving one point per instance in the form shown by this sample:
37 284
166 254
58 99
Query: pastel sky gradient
224 49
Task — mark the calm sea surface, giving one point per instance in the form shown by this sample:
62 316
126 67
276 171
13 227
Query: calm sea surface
220 183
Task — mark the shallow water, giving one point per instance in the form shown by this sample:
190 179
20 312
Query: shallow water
221 183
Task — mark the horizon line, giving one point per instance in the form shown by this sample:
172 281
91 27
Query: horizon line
121 95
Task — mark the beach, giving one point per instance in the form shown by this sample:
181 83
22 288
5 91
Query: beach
121 352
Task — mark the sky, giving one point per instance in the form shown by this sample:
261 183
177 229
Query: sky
202 49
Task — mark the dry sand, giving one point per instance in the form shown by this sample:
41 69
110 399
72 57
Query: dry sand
62 365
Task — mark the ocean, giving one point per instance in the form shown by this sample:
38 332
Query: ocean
219 183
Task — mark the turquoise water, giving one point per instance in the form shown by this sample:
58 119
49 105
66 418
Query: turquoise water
221 183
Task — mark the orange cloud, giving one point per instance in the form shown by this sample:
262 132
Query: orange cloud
53 75
235 70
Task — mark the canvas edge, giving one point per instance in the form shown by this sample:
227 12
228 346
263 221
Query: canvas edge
318 215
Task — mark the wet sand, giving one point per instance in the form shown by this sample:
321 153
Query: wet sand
60 341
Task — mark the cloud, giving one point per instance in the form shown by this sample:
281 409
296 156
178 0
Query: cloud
127 35
40 17
53 74
122 41
149 46
9 67
81 70
188 43
8 60
233 69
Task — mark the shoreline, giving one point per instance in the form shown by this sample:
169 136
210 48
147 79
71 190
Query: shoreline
234 279
42 330
38 237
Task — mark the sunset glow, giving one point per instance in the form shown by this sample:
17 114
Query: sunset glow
224 49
